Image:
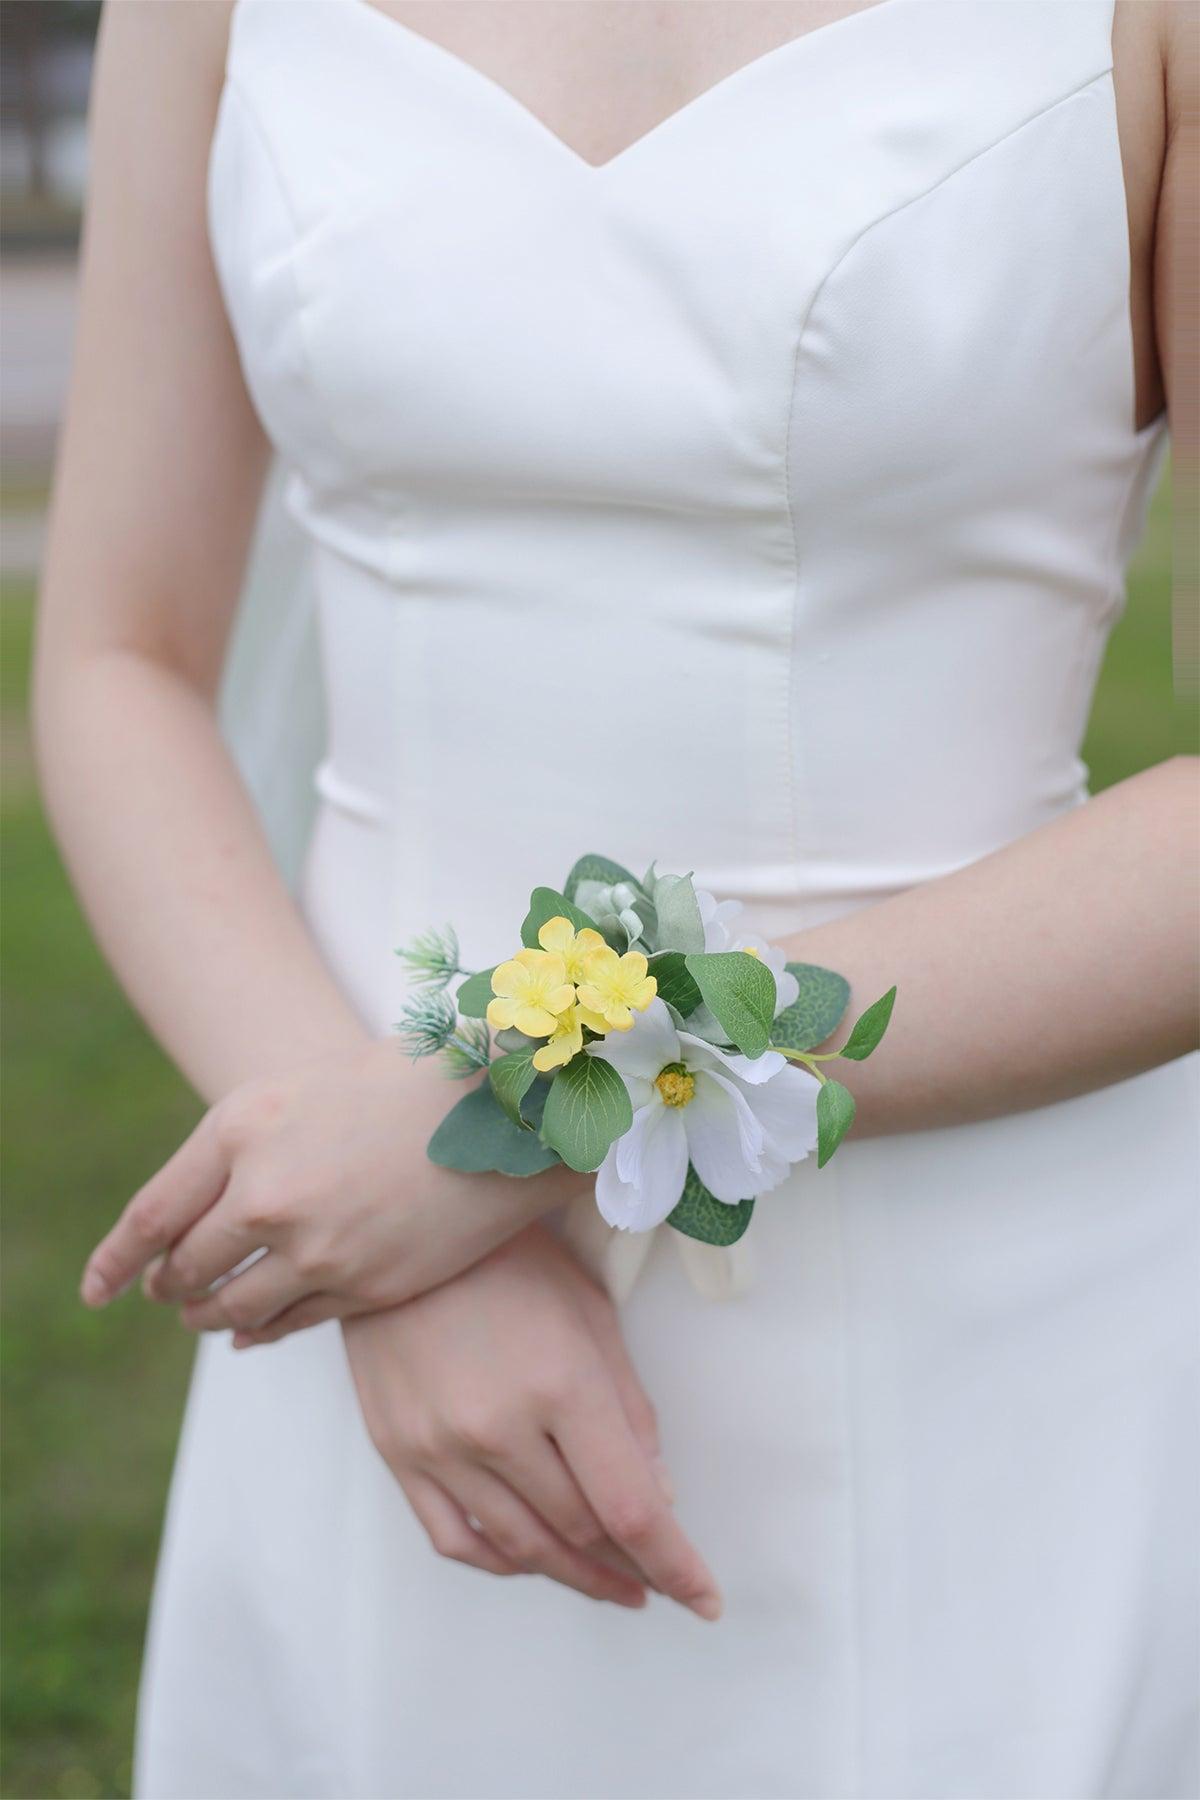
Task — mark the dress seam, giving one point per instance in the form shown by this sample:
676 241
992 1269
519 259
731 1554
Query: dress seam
790 786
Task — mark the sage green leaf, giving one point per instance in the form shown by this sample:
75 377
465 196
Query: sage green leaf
701 1215
739 990
546 903
817 1010
473 996
679 924
869 1028
477 1136
675 985
835 1115
587 1108
512 1077
597 868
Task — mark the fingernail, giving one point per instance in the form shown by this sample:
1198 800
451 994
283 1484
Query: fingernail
93 1290
708 1606
242 1340
665 1483
633 1601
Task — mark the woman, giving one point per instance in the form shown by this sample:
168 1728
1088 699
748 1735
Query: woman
720 431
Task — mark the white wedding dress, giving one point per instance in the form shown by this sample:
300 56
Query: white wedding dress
758 501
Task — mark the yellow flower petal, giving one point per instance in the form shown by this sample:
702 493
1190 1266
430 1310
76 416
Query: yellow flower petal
501 1013
534 1021
505 976
557 934
595 1021
559 998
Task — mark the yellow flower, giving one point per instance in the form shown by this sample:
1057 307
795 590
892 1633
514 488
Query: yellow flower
565 1041
617 986
561 938
531 990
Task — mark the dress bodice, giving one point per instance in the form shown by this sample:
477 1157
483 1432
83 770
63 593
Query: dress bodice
758 501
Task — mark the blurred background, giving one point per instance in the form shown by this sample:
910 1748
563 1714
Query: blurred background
90 1106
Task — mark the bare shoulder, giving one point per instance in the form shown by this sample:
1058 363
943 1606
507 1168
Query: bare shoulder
170 39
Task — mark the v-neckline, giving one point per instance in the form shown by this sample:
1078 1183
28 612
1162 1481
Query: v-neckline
715 92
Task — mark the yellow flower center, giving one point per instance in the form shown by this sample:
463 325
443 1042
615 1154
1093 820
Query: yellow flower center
676 1085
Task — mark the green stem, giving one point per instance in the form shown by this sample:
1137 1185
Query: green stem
808 1060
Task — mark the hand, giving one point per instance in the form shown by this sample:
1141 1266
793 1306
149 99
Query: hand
325 1166
507 1397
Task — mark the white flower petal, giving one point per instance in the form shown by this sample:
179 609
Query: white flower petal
695 1052
786 1108
650 1042
656 1161
724 1138
787 990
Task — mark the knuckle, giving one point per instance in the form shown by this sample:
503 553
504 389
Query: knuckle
583 1531
237 1312
262 1206
315 1260
518 1545
248 1114
146 1218
631 1520
478 1431
179 1272
449 1542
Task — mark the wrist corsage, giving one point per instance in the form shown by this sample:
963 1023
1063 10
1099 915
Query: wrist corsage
637 1034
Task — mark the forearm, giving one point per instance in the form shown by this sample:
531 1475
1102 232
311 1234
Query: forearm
175 875
1063 962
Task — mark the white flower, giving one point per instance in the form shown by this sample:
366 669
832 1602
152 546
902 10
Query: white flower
742 1124
716 916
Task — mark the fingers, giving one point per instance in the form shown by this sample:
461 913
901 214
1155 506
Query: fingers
183 1189
315 1310
213 1247
249 1300
638 1408
449 1530
515 1529
620 1484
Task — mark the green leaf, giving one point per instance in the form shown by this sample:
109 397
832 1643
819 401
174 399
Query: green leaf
835 1115
679 924
473 996
597 868
869 1028
700 1214
512 1077
740 990
587 1108
675 985
478 1136
816 1012
546 903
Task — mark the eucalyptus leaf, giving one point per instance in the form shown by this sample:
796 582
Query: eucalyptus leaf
680 926
816 1012
546 903
699 1214
511 1077
597 868
869 1028
835 1115
675 985
587 1108
477 1136
739 989
473 996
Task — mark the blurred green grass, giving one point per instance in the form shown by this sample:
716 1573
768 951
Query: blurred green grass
91 1108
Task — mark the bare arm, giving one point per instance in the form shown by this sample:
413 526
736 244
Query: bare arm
159 474
1062 962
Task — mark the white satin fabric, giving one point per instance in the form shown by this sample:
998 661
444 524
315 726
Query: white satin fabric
758 502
